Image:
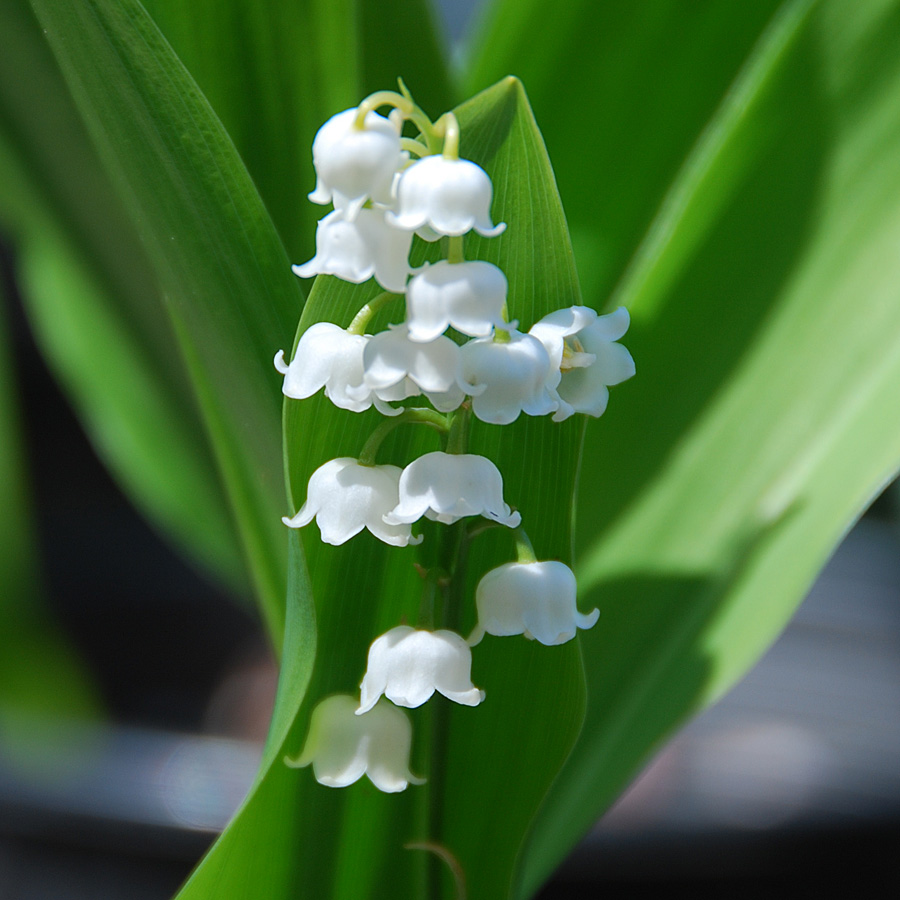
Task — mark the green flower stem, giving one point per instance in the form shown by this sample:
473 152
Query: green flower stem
524 550
448 128
382 98
458 436
414 146
361 319
501 336
414 416
455 252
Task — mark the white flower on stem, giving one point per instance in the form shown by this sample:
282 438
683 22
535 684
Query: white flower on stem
355 164
470 296
394 367
408 666
357 250
536 599
343 747
328 356
451 196
584 357
344 497
446 487
513 375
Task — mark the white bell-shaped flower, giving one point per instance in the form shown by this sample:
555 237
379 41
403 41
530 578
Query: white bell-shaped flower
584 357
330 357
451 196
446 487
536 599
468 295
344 497
355 164
357 250
394 367
343 747
513 375
408 666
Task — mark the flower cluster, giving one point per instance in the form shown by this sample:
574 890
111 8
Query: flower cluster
387 188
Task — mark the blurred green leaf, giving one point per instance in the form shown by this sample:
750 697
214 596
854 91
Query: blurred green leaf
760 424
490 772
275 70
222 270
40 675
93 302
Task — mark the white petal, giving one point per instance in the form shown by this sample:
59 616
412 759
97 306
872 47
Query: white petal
354 164
469 296
555 327
344 497
535 599
408 666
391 357
514 374
356 250
342 746
448 487
327 356
452 196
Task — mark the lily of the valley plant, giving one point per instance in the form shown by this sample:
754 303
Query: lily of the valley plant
453 354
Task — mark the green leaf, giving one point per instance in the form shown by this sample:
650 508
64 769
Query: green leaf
760 423
40 675
621 91
275 70
254 856
92 298
488 768
221 268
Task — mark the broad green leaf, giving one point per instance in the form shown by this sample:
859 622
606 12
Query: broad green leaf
488 768
275 70
621 91
254 856
221 268
93 302
761 421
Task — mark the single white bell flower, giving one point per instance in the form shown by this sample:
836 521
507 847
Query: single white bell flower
328 356
354 164
584 357
394 367
446 487
343 747
470 296
357 250
513 375
344 497
451 196
536 599
408 666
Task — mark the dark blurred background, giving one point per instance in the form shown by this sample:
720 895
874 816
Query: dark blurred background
791 782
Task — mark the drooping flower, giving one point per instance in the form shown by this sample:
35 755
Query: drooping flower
344 497
468 295
451 196
355 164
330 357
584 357
394 367
513 376
408 666
446 487
343 747
536 599
357 250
